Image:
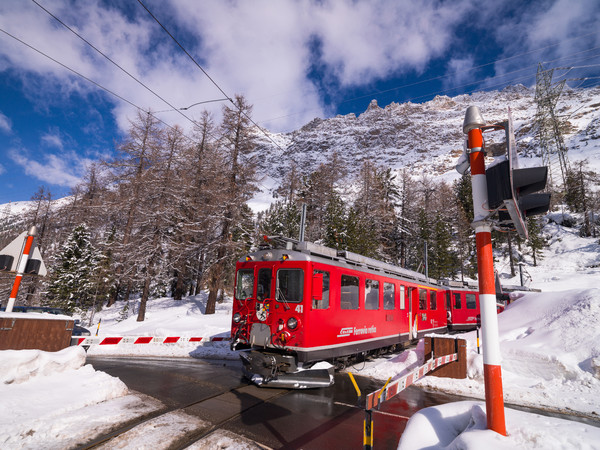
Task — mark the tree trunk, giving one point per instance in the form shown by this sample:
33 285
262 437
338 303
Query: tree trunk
179 290
112 299
199 274
213 289
145 294
510 255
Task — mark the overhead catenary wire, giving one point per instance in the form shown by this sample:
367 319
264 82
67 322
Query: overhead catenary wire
120 97
209 77
173 108
458 72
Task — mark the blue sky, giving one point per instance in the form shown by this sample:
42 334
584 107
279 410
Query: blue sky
293 61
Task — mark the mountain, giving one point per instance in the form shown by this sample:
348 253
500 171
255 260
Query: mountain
427 138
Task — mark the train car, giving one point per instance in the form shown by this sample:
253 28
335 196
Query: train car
298 303
462 307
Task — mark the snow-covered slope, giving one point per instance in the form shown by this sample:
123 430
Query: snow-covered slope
427 137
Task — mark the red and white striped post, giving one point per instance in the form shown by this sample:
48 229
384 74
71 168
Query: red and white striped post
24 257
492 371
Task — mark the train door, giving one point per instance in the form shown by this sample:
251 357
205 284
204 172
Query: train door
404 310
320 319
413 314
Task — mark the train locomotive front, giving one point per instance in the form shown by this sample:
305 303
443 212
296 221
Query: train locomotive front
273 288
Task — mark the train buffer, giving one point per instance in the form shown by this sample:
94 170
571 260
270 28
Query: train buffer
445 357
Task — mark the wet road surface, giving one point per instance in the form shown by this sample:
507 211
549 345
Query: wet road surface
276 418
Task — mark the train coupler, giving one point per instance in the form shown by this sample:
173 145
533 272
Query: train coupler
280 371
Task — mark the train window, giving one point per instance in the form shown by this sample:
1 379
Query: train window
471 302
324 302
349 292
433 300
448 301
422 299
245 284
457 304
371 294
263 285
389 291
290 284
402 297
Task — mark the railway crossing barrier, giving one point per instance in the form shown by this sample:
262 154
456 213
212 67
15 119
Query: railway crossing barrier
446 357
116 340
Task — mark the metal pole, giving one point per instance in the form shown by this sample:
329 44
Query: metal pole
23 258
492 371
521 273
426 261
302 222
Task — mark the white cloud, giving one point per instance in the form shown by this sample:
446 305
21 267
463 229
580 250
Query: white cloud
262 49
52 140
2 169
65 169
459 72
259 49
554 32
5 123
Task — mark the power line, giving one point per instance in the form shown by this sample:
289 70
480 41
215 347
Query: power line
458 72
210 78
186 52
173 108
99 85
177 130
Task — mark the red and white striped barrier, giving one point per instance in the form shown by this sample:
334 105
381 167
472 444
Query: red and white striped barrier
115 340
389 391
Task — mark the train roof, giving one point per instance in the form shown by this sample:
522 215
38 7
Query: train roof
310 249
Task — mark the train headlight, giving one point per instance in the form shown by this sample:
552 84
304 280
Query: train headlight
237 317
292 323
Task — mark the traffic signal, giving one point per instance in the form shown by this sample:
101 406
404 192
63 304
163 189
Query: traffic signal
514 191
515 194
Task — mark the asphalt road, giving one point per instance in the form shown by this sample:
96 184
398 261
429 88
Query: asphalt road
275 418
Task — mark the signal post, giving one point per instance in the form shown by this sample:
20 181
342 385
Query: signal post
492 372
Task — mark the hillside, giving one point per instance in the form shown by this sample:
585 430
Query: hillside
427 137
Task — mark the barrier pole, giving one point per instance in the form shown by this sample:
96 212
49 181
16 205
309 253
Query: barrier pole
368 433
494 401
24 257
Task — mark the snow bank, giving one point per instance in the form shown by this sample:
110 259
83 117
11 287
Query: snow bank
18 366
462 425
52 400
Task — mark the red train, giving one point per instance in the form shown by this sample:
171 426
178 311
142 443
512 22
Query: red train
298 304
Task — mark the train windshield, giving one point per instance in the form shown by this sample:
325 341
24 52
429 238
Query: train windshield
289 285
263 288
245 284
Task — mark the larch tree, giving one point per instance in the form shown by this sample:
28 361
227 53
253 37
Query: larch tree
237 141
128 172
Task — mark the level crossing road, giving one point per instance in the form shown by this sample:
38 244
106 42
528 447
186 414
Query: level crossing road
215 392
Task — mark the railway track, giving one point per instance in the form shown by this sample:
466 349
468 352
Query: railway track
213 412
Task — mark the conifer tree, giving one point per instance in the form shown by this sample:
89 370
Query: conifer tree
336 233
73 279
536 240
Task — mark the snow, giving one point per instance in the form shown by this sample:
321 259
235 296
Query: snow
53 400
549 342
